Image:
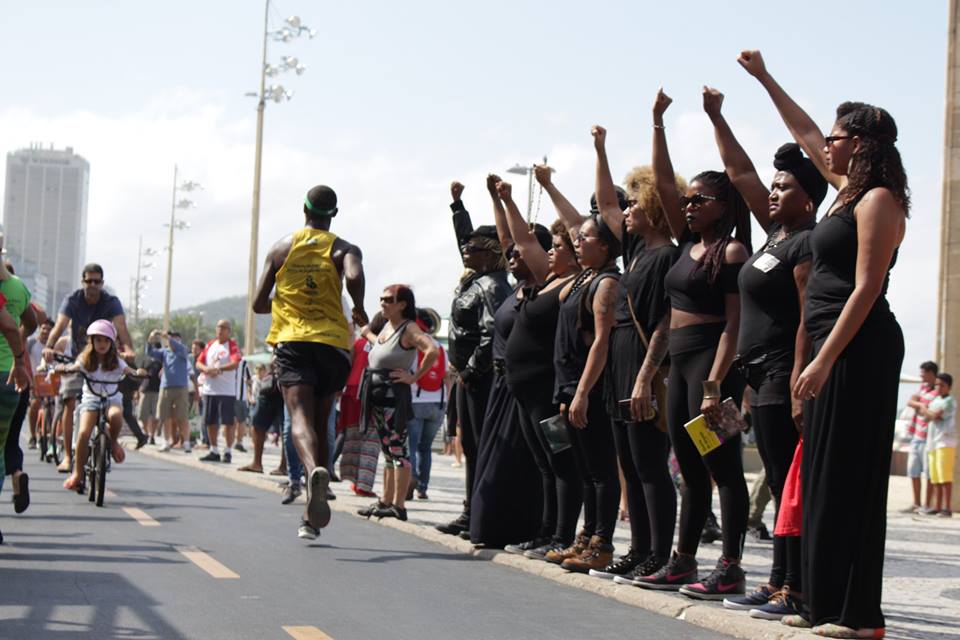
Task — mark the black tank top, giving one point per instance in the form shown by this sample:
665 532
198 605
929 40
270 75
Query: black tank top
503 323
530 346
643 283
690 290
833 243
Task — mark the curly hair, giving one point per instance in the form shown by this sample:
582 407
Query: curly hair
640 186
735 221
560 229
90 360
877 163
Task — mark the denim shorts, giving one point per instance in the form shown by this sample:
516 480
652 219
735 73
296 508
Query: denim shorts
917 460
92 404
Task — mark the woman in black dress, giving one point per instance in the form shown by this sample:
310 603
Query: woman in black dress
704 325
638 344
774 347
852 380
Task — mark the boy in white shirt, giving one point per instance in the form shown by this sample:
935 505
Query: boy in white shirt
942 443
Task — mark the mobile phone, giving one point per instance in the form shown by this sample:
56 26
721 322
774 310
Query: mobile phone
623 410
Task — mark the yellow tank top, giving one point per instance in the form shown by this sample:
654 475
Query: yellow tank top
306 305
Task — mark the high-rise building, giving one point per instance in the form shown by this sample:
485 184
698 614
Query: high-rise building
45 219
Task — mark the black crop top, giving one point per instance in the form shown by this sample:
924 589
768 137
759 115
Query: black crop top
688 287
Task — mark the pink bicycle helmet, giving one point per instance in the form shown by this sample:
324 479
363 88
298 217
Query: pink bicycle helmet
103 328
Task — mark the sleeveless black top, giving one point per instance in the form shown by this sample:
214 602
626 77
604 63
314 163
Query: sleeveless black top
503 322
833 274
529 351
690 290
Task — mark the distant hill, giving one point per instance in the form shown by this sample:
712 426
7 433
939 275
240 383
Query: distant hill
233 308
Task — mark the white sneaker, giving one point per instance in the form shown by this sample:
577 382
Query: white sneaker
187 448
165 448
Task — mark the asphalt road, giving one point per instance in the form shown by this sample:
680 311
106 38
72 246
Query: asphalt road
179 553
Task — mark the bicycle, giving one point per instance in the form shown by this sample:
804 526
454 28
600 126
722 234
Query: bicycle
46 387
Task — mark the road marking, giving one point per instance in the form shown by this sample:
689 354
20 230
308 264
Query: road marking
306 633
206 562
141 516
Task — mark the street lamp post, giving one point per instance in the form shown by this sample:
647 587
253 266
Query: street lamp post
293 29
519 169
139 283
183 203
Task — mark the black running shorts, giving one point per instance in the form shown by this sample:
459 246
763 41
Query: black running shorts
318 365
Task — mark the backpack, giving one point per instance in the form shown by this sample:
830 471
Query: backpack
432 380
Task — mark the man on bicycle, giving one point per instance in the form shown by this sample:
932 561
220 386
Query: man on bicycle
311 335
80 309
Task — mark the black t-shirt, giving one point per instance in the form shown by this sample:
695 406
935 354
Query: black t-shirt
643 281
81 314
769 303
529 352
152 383
503 321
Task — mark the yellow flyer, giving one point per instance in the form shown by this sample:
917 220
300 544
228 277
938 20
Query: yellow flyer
705 439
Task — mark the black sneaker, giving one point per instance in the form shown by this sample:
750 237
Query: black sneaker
393 511
152 440
211 457
290 493
307 531
33 443
726 580
750 601
622 566
318 511
142 442
681 570
239 447
455 527
540 553
760 533
227 457
711 530
650 565
523 547
781 604
368 511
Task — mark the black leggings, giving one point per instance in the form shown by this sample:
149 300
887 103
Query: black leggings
12 453
596 458
688 369
651 497
777 442
471 407
562 485
130 418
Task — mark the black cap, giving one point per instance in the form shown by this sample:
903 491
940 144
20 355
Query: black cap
485 231
320 201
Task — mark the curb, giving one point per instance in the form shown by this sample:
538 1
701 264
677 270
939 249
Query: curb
713 617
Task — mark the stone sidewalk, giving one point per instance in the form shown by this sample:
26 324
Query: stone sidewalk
921 574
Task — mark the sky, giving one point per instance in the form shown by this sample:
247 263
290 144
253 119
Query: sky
398 99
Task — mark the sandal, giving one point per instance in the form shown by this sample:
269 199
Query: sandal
251 469
279 471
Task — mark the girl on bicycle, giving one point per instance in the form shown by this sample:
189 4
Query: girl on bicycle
103 370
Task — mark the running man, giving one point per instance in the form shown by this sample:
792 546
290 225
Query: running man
310 335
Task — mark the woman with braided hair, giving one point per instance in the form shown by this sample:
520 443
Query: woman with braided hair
704 325
857 354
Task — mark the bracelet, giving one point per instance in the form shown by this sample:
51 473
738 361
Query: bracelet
711 388
711 397
659 126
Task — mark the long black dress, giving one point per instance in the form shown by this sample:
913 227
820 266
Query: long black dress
506 500
848 439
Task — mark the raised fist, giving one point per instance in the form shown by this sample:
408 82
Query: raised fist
752 61
492 180
660 104
599 137
456 190
712 101
504 190
542 173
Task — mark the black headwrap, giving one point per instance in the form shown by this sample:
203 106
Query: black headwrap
544 237
790 158
607 236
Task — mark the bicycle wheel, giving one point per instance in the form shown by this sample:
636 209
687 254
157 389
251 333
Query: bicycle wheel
56 447
103 450
42 435
91 469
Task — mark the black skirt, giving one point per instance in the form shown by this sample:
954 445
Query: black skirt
506 503
848 440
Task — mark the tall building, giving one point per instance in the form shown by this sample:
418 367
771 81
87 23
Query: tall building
45 219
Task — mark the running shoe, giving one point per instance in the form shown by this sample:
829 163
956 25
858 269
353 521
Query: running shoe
210 457
725 580
945 514
32 444
290 493
369 510
523 547
227 457
392 511
750 601
622 566
318 511
540 553
711 530
307 532
239 447
455 527
681 570
781 604
760 533
650 565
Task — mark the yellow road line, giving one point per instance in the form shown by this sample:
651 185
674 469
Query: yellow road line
306 633
206 562
141 516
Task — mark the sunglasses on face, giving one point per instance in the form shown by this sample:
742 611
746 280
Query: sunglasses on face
387 299
92 281
513 254
697 200
829 140
472 248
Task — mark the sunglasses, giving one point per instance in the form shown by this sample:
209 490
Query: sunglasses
92 281
829 140
387 299
513 254
697 200
472 248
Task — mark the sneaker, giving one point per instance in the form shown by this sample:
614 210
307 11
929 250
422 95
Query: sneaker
622 566
597 555
523 547
750 601
540 553
945 514
239 447
455 527
187 448
227 457
290 493
166 448
572 551
211 457
422 495
650 565
330 494
151 440
393 511
781 604
318 511
928 511
760 533
679 571
368 511
141 443
33 443
911 509
726 579
464 535
711 530
307 532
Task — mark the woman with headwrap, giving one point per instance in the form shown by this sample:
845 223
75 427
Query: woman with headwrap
773 346
704 324
635 392
506 492
857 354
482 288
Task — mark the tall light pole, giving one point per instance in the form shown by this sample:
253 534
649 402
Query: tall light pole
293 28
183 203
519 169
139 283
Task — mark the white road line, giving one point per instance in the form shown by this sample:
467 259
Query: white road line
141 516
